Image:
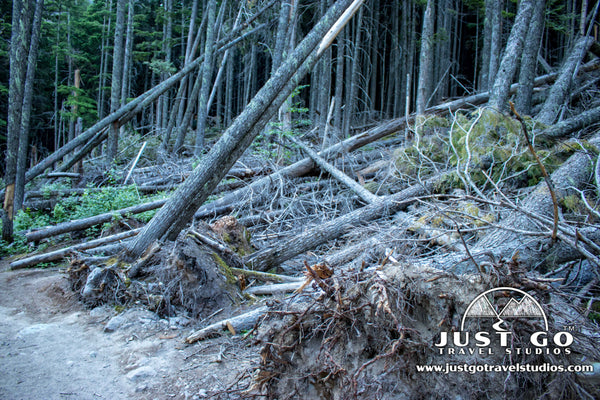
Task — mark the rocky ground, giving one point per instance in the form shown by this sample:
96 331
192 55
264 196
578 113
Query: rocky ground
55 348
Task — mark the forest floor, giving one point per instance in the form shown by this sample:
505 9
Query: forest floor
55 348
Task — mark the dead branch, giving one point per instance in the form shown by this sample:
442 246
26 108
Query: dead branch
241 322
337 174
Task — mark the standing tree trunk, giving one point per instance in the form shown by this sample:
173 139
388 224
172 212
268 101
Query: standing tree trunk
26 110
180 208
484 75
514 48
104 63
339 83
206 73
116 81
128 56
425 59
351 102
496 41
18 67
529 58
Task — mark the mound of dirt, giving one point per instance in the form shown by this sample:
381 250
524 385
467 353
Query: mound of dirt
370 332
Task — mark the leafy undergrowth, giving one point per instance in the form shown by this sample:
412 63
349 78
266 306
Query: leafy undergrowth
92 202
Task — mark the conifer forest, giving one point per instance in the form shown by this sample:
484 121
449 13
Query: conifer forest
300 199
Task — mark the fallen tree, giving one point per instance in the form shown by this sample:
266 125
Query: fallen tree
94 135
180 208
311 238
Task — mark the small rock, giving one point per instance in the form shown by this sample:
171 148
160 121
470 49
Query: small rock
141 388
141 373
202 393
115 323
93 354
101 312
179 321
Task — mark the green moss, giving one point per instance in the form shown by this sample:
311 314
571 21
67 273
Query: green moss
225 269
226 237
371 186
573 203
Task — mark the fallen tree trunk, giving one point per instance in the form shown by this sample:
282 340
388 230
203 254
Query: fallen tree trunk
306 165
278 288
241 322
85 223
560 89
61 253
180 208
576 123
539 250
337 174
311 238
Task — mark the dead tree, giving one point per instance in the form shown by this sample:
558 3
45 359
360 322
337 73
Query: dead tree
287 249
180 208
560 89
98 132
512 52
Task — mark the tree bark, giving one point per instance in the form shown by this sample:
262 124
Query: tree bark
207 71
496 41
513 50
484 76
18 67
339 175
26 109
84 223
505 244
61 253
566 127
193 192
529 58
558 92
425 58
116 82
286 249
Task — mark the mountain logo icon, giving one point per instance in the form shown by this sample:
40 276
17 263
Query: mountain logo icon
520 304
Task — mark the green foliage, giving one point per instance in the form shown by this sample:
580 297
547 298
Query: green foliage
78 104
91 203
161 66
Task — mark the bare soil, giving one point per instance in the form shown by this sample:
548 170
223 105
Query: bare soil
55 348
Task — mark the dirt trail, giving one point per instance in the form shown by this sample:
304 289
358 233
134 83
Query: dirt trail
52 347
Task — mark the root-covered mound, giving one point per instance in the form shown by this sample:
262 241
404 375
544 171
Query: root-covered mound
367 334
184 276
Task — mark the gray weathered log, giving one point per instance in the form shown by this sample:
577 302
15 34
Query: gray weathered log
241 322
311 238
278 288
337 174
560 89
531 251
566 127
180 208
85 223
61 253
